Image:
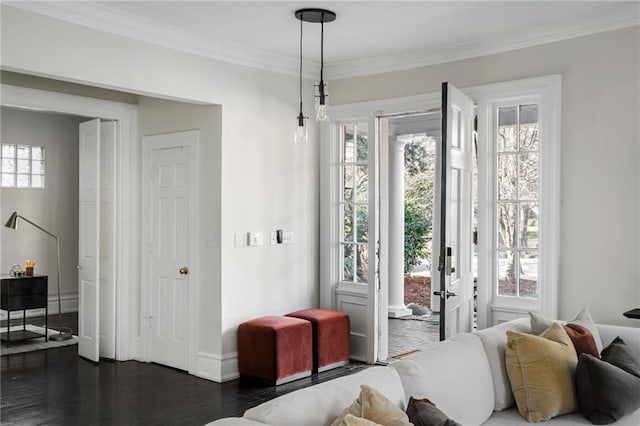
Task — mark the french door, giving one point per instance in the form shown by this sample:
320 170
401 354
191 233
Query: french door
454 220
354 280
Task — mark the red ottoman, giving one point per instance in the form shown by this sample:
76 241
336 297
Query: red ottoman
331 347
275 349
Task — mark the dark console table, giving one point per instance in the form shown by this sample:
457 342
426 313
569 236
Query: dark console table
633 313
20 294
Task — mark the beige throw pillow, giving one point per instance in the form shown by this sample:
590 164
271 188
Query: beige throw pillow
541 370
374 406
351 420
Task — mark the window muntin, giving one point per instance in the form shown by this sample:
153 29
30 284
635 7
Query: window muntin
354 206
22 166
518 200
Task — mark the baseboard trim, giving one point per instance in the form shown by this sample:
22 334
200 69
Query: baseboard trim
68 303
218 368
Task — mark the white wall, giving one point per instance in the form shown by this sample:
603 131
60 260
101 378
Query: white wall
55 207
600 217
266 182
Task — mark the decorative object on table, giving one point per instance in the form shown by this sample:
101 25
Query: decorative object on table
28 267
16 270
12 223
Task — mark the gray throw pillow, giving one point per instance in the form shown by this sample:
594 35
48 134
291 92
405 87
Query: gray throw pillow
605 392
422 412
622 356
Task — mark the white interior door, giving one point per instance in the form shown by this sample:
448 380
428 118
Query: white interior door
89 240
453 224
107 240
171 176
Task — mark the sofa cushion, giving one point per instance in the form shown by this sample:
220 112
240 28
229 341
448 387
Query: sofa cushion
451 372
322 404
608 333
374 406
423 412
540 323
541 370
494 340
606 393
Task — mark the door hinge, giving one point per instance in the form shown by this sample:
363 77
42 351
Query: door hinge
445 261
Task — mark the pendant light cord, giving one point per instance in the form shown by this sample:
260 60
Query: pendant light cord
321 47
301 64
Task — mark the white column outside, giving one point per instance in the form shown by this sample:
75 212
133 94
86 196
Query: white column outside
397 307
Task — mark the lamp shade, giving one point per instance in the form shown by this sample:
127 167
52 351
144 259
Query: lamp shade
13 221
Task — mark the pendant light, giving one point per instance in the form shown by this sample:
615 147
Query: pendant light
301 135
319 16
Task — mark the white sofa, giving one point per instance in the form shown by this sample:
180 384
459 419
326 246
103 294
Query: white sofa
464 376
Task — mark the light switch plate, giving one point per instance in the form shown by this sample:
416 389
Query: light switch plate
256 239
288 238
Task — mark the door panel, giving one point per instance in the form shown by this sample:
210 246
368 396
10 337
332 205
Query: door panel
89 240
107 240
455 204
170 289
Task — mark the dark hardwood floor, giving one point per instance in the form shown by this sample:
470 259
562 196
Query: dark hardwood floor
57 387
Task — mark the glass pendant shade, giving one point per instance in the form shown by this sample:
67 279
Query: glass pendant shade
301 135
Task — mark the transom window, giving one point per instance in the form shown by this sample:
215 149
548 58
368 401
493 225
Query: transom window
518 200
354 215
22 166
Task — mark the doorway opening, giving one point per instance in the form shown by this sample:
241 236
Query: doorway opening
413 142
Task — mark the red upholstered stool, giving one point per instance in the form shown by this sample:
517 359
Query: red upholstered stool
275 349
331 347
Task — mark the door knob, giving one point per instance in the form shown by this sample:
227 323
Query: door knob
184 270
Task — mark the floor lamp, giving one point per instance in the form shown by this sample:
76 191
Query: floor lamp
12 223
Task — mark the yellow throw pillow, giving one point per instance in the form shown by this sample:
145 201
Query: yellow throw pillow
351 420
541 370
374 406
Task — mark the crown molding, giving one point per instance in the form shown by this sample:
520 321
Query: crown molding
426 57
103 18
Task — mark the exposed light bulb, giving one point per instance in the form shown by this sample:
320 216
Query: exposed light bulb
321 113
322 101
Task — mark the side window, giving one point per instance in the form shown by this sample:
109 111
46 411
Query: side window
517 200
22 166
354 215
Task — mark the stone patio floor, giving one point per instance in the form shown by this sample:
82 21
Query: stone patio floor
406 335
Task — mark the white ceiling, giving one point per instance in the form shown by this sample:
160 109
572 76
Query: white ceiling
367 37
